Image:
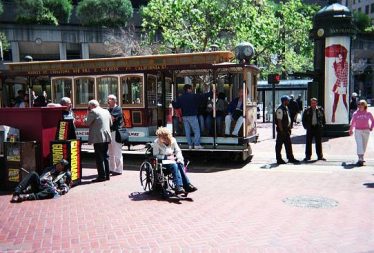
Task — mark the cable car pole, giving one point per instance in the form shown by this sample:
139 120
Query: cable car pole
273 79
273 93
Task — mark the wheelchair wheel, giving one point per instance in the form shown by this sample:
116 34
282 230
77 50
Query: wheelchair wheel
170 181
147 177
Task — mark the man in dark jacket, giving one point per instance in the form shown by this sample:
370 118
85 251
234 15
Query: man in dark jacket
283 123
54 181
234 112
353 104
299 104
293 107
313 122
189 103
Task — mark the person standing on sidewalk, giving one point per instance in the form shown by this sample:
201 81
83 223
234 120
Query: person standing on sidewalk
115 148
283 123
99 121
189 103
353 104
362 123
293 108
313 122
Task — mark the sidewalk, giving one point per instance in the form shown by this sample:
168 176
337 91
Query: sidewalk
336 150
308 208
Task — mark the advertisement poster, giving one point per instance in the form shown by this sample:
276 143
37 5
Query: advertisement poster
337 57
69 150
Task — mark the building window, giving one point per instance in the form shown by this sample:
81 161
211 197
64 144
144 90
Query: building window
367 9
372 8
359 9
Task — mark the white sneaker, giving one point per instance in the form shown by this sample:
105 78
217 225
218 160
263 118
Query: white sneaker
189 147
199 147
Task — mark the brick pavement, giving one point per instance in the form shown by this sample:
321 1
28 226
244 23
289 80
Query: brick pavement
236 209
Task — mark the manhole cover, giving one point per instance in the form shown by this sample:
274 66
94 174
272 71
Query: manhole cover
310 202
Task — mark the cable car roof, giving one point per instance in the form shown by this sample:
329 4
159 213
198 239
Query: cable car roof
129 64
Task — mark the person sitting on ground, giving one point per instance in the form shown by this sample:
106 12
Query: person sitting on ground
235 112
54 181
166 147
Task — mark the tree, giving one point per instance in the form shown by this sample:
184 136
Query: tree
189 24
296 22
279 32
362 21
126 42
51 12
108 13
3 41
61 9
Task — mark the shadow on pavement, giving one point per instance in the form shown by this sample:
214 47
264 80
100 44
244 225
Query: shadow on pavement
270 166
369 185
141 196
301 139
199 164
349 166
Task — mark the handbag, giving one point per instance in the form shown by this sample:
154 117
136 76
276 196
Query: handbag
122 136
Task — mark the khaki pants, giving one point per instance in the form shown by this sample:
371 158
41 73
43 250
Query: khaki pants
115 155
362 138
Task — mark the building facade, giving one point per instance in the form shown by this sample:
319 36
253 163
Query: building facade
48 42
364 6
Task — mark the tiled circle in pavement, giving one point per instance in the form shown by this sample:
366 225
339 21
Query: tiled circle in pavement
310 202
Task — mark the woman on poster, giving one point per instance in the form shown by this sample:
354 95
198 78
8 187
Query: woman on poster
340 86
341 70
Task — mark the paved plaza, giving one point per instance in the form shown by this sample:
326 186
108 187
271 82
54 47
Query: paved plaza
257 207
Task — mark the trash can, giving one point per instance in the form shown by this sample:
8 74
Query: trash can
20 158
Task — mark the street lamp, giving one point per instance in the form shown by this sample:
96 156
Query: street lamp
28 58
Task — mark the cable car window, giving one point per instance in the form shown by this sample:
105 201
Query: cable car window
61 88
105 87
132 91
84 91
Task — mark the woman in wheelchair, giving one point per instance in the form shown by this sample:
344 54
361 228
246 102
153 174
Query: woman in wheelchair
166 147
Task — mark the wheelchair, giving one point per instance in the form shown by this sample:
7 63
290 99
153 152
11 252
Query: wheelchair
154 177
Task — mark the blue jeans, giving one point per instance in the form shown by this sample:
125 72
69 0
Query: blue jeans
191 122
201 123
209 124
219 120
180 178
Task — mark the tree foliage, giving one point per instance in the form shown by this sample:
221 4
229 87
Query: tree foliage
108 13
188 24
43 11
279 32
362 21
